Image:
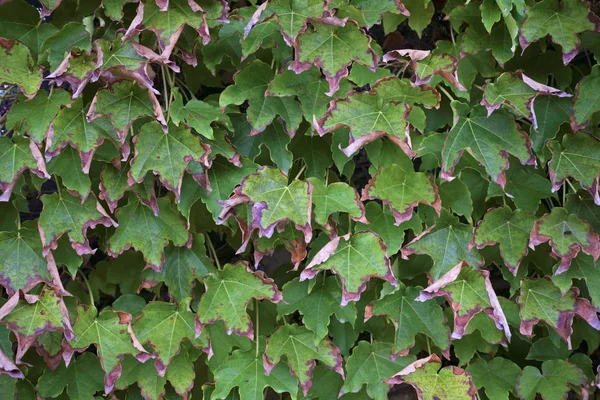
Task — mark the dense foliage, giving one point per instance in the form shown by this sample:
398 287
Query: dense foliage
294 199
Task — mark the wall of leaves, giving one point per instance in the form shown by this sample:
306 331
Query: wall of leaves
292 199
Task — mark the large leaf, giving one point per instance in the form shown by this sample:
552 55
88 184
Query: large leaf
296 343
17 156
18 68
411 317
336 197
355 259
228 294
82 379
488 139
148 233
582 267
498 377
553 382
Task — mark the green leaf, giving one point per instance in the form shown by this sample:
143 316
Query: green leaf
361 75
447 243
292 15
22 265
561 20
82 379
567 235
123 103
527 187
582 205
228 293
182 267
336 197
333 47
371 364
411 317
576 157
71 36
109 331
63 213
582 267
456 196
402 190
432 382
251 84
316 153
343 253
18 68
162 327
488 139
469 291
553 382
167 154
67 165
421 12
17 156
33 117
587 100
245 370
374 9
197 114
498 377
296 343
510 229
148 233
152 386
316 304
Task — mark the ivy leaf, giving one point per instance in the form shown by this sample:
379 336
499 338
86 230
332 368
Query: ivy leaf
275 201
368 117
469 291
227 295
541 300
432 382
374 9
251 84
163 326
371 364
316 304
245 370
552 112
336 197
152 386
567 235
63 213
517 91
22 265
309 87
316 153
498 377
114 183
112 336
402 190
123 103
402 91
587 100
17 156
296 343
33 117
197 114
582 267
72 36
554 382
70 127
561 20
447 243
181 268
148 233
510 229
488 139
82 379
365 249
17 68
67 165
411 317
333 45
577 157
382 222
166 154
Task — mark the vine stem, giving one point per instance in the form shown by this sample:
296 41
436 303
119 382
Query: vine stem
571 185
448 95
211 248
300 172
58 190
257 327
89 287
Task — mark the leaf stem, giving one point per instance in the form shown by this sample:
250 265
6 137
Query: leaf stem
571 185
58 190
300 172
448 95
257 327
89 287
211 248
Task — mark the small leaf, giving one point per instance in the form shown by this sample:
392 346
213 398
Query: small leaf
83 378
17 68
227 296
63 213
561 20
333 45
554 382
72 35
567 235
364 249
67 165
149 234
411 317
371 364
374 9
587 101
17 156
510 229
336 197
291 15
432 382
152 386
582 267
316 304
197 114
447 243
498 377
402 190
296 343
